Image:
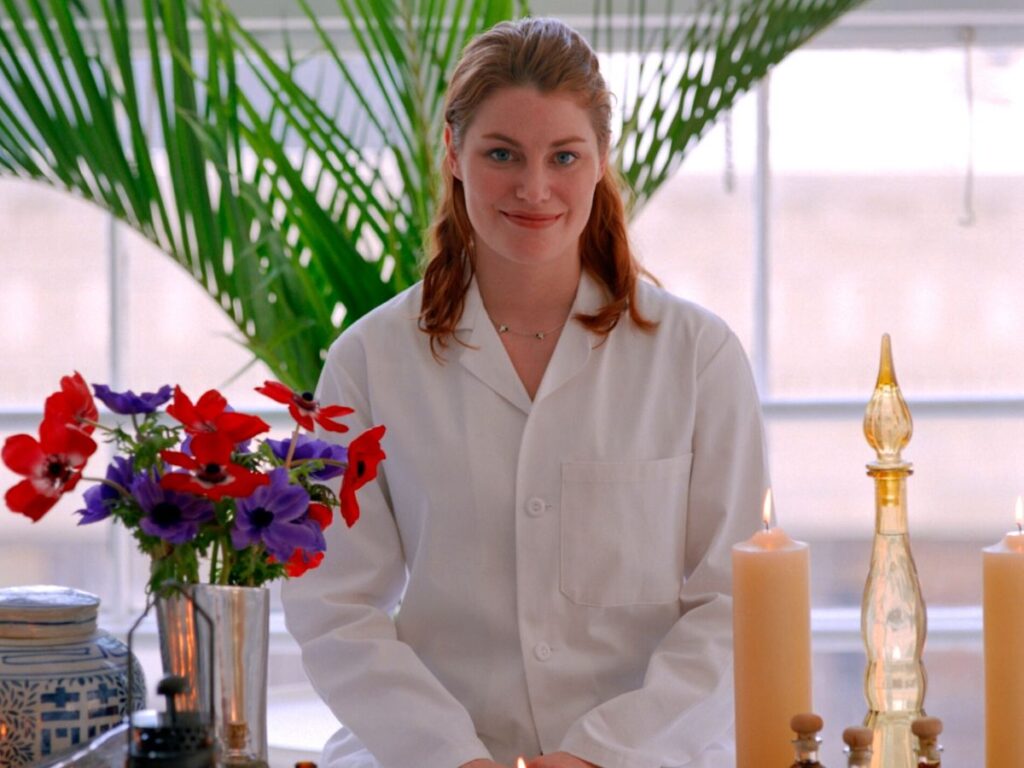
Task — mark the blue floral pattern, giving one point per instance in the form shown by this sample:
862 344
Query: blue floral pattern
54 699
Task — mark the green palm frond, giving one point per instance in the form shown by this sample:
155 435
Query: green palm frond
297 190
693 64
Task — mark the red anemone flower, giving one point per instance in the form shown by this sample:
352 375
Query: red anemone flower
210 472
321 515
72 405
301 560
51 465
305 408
364 454
211 424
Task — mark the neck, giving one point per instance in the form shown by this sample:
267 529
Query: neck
528 297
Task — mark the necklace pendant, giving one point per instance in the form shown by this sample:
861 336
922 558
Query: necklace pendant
502 328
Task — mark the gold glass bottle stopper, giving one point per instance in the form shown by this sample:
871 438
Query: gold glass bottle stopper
927 730
858 746
893 619
887 423
806 726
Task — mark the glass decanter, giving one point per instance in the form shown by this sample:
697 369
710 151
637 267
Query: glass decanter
893 619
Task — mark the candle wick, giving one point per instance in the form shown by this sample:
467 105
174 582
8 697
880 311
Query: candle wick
1020 527
767 526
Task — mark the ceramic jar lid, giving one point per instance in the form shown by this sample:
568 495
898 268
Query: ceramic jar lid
46 611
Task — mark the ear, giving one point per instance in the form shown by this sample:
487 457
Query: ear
450 156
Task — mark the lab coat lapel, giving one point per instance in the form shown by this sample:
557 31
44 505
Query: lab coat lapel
576 342
485 357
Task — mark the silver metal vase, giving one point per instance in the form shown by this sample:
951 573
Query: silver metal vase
238 674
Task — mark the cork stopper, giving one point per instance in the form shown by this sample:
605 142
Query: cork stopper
858 738
887 422
237 734
926 727
806 725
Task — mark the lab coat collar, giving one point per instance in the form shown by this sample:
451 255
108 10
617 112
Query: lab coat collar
486 358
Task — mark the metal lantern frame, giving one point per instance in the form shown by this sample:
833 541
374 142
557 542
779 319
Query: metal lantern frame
167 590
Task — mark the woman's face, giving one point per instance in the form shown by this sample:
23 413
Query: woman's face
529 163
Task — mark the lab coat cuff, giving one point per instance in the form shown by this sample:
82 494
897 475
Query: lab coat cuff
598 754
454 755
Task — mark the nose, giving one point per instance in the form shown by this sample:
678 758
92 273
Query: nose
533 184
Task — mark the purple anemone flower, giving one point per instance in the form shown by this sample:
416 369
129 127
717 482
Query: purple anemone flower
128 403
310 448
172 516
101 497
277 515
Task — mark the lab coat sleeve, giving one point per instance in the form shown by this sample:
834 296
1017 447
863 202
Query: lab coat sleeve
685 705
340 612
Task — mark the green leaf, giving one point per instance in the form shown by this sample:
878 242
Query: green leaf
291 207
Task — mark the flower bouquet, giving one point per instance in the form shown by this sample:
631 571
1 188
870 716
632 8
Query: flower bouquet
192 484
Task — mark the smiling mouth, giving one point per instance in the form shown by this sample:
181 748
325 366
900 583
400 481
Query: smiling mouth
532 220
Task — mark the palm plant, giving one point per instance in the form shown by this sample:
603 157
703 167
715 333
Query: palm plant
296 189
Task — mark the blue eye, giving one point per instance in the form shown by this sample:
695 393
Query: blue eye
501 155
566 158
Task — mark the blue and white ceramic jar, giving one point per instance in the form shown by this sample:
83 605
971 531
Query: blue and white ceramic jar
62 681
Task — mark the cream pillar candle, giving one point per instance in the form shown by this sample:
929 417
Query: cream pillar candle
771 643
1003 601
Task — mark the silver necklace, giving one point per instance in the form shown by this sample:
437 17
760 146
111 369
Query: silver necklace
538 335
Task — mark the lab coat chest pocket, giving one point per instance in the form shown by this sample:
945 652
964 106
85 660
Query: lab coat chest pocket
622 529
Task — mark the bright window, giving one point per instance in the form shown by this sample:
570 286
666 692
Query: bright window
867 234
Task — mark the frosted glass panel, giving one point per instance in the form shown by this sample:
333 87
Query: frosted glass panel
876 228
54 298
965 482
856 257
697 236
177 333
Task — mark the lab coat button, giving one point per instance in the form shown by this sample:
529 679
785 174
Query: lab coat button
542 651
535 507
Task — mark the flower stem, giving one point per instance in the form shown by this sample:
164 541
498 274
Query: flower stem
291 448
325 462
115 485
96 424
226 565
214 555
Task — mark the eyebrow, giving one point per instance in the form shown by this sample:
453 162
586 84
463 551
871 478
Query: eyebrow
514 143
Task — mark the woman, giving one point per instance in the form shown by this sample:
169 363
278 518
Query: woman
571 454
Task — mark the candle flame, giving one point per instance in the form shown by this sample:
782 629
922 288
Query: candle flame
520 763
766 513
1020 513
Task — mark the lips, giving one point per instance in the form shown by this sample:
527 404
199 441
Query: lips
531 220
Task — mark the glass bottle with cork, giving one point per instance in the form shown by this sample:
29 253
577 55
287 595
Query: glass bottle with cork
927 730
806 726
858 742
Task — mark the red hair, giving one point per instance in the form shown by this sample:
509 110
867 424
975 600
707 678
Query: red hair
547 55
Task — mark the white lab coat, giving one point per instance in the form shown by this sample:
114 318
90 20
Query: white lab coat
563 565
